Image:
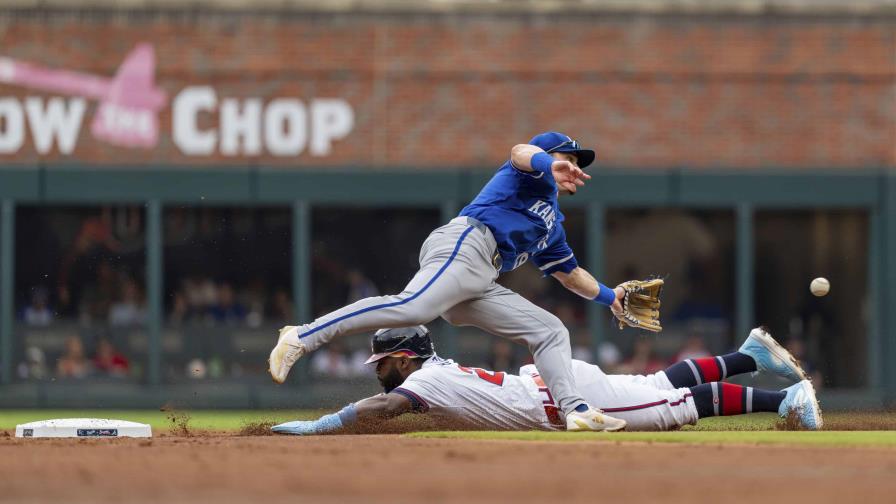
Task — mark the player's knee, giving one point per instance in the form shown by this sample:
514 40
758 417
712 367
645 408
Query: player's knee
554 333
557 332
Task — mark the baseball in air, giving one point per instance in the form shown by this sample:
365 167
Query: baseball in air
820 286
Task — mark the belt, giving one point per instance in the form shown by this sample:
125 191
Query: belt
470 221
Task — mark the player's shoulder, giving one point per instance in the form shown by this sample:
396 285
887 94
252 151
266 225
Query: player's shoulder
433 369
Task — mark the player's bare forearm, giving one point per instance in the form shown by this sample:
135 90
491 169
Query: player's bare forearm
579 281
381 407
364 413
584 284
566 173
521 156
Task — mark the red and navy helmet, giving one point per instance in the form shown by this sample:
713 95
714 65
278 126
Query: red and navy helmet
411 342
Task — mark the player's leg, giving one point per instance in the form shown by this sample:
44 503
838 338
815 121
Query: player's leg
724 399
631 398
645 407
505 313
454 266
760 352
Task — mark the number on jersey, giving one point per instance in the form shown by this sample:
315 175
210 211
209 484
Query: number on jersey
489 376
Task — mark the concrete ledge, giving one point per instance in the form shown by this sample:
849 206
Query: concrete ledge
744 7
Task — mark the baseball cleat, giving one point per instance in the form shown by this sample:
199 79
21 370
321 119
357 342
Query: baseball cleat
802 401
593 420
770 356
287 351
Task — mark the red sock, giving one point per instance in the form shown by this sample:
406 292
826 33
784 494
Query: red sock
720 399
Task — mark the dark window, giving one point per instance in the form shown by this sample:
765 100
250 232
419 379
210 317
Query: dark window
228 288
80 305
828 333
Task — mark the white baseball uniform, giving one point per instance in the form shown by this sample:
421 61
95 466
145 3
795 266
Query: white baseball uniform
500 401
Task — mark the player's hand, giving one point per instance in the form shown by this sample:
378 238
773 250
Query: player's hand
568 176
616 307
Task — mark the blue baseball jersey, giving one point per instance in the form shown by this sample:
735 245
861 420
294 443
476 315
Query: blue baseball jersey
521 210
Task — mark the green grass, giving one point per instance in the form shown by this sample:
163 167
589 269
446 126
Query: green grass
831 438
846 429
221 420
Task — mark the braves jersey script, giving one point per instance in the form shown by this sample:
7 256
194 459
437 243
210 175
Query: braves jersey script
480 398
520 208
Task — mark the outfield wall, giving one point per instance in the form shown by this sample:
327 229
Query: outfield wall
404 88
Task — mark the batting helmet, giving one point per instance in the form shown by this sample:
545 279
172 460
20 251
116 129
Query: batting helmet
409 341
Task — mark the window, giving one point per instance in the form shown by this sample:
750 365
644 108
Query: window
694 251
359 253
228 289
80 306
828 334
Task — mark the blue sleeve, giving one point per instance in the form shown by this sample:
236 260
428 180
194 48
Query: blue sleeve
557 256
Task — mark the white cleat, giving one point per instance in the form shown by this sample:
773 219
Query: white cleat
593 420
801 400
770 356
287 351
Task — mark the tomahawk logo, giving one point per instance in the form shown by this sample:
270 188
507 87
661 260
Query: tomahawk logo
128 114
128 104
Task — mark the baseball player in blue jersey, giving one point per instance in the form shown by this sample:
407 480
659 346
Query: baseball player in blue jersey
514 219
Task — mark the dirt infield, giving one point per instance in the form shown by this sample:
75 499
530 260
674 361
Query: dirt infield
389 468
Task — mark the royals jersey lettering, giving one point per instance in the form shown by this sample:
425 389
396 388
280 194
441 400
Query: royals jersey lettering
520 208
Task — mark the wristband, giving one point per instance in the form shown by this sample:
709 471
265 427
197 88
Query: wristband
348 415
541 162
606 295
327 423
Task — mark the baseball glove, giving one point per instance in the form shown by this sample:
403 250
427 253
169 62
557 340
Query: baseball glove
641 304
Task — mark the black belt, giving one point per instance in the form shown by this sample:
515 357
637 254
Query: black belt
496 259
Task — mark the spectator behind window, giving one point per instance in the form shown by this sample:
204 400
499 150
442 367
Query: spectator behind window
110 361
331 361
38 312
35 365
643 360
201 294
359 286
501 356
97 296
180 309
73 364
694 348
129 310
227 310
608 357
281 307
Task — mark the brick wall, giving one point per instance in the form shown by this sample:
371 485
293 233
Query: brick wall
433 90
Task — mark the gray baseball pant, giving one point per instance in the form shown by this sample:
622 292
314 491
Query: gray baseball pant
456 281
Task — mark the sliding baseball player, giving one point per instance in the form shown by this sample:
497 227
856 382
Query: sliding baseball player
415 379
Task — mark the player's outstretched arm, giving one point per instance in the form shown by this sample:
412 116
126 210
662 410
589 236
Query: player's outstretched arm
521 157
367 412
584 284
567 175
